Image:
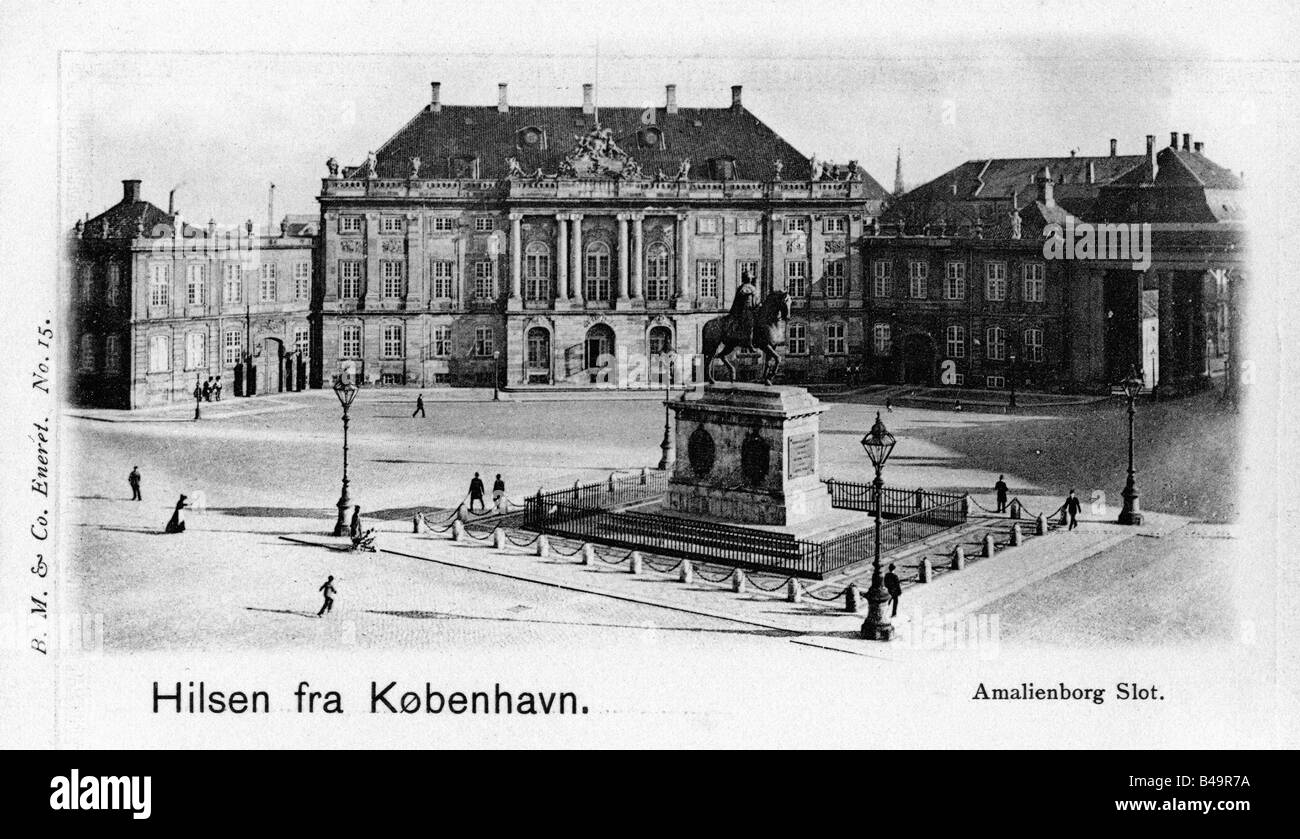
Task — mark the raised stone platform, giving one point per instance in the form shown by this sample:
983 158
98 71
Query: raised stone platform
748 454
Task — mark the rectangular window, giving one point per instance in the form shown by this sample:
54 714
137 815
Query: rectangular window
657 280
483 341
746 268
996 343
537 273
349 279
394 279
301 280
882 339
194 284
232 347
706 273
302 340
160 354
596 285
796 225
797 338
1034 282
954 282
485 287
350 341
995 281
114 283
918 279
882 278
86 281
266 291
392 224
392 344
112 353
443 224
484 224
440 274
796 278
234 284
835 224
995 382
350 224
196 350
160 283
746 225
956 341
833 277
441 341
1033 345
836 339
86 355
707 226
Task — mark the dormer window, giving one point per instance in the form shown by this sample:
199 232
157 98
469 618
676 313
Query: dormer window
723 168
464 166
532 137
650 137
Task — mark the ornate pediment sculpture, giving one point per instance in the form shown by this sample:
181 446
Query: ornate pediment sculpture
596 155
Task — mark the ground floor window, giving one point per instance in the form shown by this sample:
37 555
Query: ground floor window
112 353
797 338
484 343
882 339
997 343
232 347
441 341
1033 345
836 339
302 340
350 341
160 352
995 381
539 350
956 341
196 350
392 343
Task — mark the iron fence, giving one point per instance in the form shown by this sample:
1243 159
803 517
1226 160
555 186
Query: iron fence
895 502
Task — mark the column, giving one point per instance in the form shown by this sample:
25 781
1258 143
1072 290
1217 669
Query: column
622 260
682 296
561 257
575 259
516 257
636 257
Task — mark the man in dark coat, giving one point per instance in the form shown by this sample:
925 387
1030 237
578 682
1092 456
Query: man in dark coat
327 589
498 492
476 493
895 589
354 529
1072 507
134 480
419 406
1001 487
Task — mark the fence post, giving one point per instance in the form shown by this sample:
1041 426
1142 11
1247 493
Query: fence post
1015 508
543 545
499 538
965 507
1041 528
588 554
1016 536
989 548
958 558
738 581
644 476
793 591
611 481
415 523
634 563
851 598
687 574
457 531
924 572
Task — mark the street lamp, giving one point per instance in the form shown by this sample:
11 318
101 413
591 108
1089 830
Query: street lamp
198 396
346 392
1131 514
1011 403
496 375
668 445
878 443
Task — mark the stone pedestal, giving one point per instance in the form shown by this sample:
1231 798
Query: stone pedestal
748 454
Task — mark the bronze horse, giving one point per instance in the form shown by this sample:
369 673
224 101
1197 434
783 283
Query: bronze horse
722 335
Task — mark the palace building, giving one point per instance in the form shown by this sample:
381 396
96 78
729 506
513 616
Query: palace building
577 246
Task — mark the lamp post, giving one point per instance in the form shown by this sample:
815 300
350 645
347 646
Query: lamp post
496 375
198 396
668 446
346 392
878 443
1131 514
1011 403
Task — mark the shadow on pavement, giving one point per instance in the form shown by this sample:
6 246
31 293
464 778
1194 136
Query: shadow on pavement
415 614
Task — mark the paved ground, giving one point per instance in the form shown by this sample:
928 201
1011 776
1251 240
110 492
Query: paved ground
269 467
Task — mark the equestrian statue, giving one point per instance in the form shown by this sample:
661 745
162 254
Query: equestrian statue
748 325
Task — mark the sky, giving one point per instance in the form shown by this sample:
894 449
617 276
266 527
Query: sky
221 118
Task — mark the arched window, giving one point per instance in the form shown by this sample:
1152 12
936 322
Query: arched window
537 271
599 346
657 279
661 340
597 275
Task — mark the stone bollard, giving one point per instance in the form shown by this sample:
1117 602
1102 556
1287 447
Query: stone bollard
958 558
687 574
1015 508
793 591
499 538
965 506
634 563
588 554
851 598
543 545
738 581
611 481
988 545
924 572
1016 536
457 531
645 476
416 523
1041 528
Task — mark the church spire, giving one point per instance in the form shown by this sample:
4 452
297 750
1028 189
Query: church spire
898 173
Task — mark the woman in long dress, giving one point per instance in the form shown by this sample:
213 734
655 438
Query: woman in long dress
355 530
177 522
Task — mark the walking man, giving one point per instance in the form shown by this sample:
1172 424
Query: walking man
476 493
1001 487
889 404
327 589
1072 510
498 492
134 480
419 406
895 589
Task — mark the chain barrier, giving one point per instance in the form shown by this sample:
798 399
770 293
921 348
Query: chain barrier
754 581
654 567
485 538
436 528
518 544
556 548
699 572
815 596
618 561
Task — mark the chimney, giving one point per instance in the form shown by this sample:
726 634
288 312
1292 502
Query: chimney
1151 157
435 96
1187 142
1199 147
735 97
503 104
171 202
130 192
588 98
270 211
1045 193
1173 139
671 91
1114 147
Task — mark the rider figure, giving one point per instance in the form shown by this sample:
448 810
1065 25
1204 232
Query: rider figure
742 309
